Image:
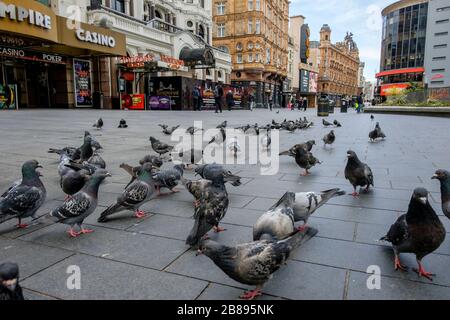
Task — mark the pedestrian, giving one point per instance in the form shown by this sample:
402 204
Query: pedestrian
196 98
360 102
270 103
305 104
218 94
229 99
300 104
251 100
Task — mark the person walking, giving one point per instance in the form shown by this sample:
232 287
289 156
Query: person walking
196 98
300 104
305 104
229 99
270 103
360 102
218 94
251 101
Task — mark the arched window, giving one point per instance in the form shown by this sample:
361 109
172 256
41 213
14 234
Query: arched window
158 14
239 46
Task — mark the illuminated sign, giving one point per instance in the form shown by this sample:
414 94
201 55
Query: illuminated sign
96 38
20 14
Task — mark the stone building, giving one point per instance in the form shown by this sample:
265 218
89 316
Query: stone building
339 65
255 33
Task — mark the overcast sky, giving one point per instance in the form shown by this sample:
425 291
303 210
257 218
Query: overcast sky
361 17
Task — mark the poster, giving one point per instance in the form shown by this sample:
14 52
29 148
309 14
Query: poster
8 97
304 81
313 77
133 101
159 103
83 84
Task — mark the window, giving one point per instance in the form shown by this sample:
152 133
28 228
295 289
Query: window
220 8
250 26
190 24
250 57
258 5
223 49
250 45
267 55
250 5
438 34
439 58
257 45
239 46
258 27
221 30
437 82
239 58
257 57
442 21
118 5
440 46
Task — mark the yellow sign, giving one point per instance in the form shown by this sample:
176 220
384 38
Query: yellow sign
30 18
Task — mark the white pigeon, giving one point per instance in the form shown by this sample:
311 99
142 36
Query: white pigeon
266 141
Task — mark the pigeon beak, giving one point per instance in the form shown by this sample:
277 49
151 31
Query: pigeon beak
423 200
198 253
108 174
435 176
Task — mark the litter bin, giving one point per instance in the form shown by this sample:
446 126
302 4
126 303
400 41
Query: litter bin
344 106
97 100
323 106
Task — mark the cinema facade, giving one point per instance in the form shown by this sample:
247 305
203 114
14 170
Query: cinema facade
104 59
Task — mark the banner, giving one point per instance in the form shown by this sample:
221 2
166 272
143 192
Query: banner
159 103
82 81
8 97
133 101
313 78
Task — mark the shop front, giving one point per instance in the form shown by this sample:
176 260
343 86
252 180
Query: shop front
48 61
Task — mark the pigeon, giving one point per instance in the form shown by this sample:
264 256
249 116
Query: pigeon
168 178
419 231
64 160
84 152
192 130
78 207
326 123
234 146
291 127
223 125
219 137
167 130
278 222
266 140
277 112
122 124
69 151
376 133
372 117
304 204
216 171
25 199
337 123
97 161
188 157
74 181
134 196
160 147
303 158
196 188
254 263
134 171
444 178
211 209
292 151
10 288
357 172
98 124
154 160
329 138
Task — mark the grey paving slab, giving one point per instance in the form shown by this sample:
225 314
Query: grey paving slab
103 279
216 291
130 247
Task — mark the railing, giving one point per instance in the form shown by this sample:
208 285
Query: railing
163 26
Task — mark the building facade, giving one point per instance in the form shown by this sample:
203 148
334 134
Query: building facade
361 78
255 33
339 66
402 46
165 50
437 47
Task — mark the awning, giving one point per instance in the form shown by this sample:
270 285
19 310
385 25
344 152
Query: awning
399 71
198 58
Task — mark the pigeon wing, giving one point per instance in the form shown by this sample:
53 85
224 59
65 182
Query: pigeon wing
20 200
74 207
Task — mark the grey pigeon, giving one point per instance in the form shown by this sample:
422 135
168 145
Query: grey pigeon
160 147
78 207
84 152
24 200
372 117
69 151
292 151
444 178
167 130
64 159
329 138
266 140
196 188
97 161
254 263
10 288
212 207
223 125
303 158
192 130
278 222
357 172
326 123
419 231
134 196
376 133
304 204
98 124
219 138
74 181
168 178
122 124
155 161
337 123
215 171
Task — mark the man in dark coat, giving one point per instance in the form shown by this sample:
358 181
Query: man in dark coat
230 100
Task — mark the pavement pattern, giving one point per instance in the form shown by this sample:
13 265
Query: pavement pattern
129 258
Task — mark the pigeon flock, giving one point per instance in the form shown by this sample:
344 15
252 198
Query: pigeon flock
276 233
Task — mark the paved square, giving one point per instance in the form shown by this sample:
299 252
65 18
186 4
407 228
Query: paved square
128 258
